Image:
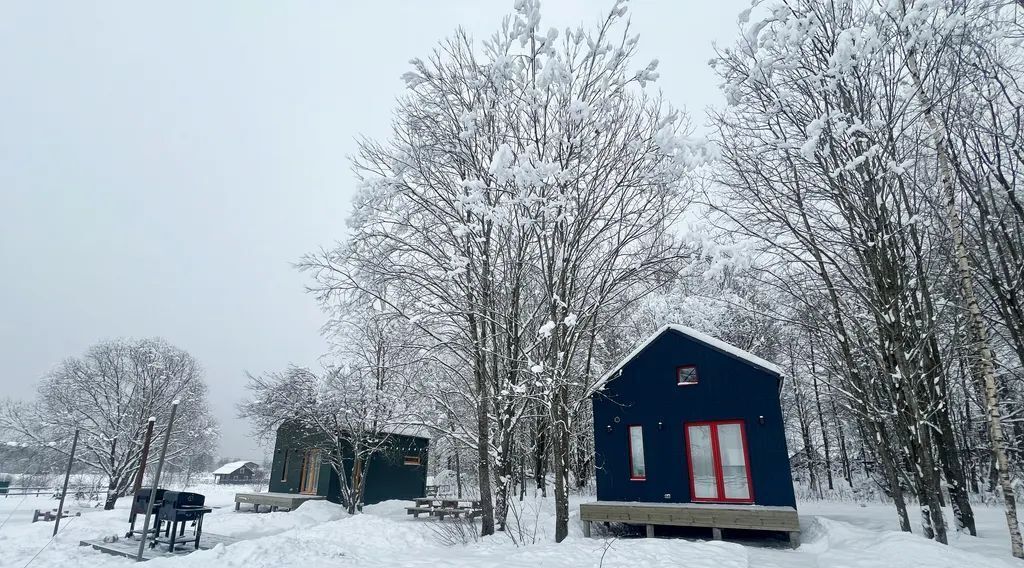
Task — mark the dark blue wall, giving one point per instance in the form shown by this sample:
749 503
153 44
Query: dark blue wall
646 393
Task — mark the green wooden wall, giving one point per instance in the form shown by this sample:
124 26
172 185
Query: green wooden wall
387 475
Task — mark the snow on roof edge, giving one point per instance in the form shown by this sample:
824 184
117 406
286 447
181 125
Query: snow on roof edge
698 336
231 467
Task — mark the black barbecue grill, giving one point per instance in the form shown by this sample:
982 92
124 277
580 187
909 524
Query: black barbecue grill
139 502
176 510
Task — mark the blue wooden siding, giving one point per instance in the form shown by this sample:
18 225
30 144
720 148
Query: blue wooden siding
646 393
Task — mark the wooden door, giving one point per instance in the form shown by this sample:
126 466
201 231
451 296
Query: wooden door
310 472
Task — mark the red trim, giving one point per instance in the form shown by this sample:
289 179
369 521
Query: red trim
695 374
716 457
629 441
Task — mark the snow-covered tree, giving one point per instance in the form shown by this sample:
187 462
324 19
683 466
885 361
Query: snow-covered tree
529 192
109 393
856 132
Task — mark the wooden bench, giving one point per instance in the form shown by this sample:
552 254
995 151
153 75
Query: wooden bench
274 501
714 516
50 516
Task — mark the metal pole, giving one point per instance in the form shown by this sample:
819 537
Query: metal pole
156 482
67 475
145 456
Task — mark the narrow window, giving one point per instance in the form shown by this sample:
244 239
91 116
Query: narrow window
719 462
411 460
284 466
637 468
686 375
702 463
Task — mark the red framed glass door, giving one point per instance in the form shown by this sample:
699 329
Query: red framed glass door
719 462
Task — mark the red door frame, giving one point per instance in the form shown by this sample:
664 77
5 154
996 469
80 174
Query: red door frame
716 459
629 440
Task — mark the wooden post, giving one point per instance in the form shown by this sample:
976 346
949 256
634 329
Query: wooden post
586 529
156 482
716 533
67 475
650 531
145 455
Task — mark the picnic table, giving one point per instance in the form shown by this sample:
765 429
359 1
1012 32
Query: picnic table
442 507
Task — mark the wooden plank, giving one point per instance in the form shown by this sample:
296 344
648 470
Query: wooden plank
286 500
686 514
129 547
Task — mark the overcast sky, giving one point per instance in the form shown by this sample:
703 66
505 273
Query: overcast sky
161 166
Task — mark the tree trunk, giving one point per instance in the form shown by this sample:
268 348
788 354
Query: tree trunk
889 465
112 494
821 422
483 454
540 453
560 461
978 332
356 482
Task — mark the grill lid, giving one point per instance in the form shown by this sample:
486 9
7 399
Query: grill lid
183 499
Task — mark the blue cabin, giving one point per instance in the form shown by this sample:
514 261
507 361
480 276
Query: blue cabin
689 428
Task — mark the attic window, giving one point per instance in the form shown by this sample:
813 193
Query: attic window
686 375
411 460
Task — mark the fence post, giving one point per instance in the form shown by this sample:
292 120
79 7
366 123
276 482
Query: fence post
156 482
67 475
145 455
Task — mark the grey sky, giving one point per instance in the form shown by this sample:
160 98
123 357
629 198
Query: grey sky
162 165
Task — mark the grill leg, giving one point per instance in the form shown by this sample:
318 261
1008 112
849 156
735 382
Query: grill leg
199 530
174 532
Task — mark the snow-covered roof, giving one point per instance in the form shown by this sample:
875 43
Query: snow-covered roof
712 342
412 430
232 467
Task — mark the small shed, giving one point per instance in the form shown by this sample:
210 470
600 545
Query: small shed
688 431
235 473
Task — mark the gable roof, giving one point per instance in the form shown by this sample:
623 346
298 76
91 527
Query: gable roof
229 468
703 338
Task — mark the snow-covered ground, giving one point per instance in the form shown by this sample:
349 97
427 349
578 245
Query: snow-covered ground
320 534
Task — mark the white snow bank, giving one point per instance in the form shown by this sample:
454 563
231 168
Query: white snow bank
836 543
320 534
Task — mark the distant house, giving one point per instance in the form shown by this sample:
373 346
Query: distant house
688 431
399 471
236 473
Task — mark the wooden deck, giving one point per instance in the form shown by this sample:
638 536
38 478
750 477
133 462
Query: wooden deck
129 547
713 516
274 501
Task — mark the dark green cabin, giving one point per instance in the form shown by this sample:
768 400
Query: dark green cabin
398 472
